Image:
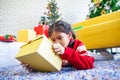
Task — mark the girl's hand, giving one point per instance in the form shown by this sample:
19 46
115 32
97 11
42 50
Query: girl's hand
58 48
65 63
27 66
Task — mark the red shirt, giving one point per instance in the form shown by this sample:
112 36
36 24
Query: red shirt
76 54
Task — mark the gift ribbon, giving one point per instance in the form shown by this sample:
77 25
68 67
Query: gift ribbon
77 28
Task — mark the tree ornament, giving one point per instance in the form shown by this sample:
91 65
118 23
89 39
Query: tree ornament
96 1
103 12
106 7
97 4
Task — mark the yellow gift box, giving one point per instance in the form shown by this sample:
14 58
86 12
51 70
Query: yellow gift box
99 32
26 35
39 55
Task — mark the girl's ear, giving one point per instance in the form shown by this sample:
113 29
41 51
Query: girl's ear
70 35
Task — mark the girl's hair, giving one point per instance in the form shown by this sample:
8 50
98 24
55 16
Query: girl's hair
61 26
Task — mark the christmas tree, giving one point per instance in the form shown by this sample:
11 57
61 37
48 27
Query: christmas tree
100 7
52 14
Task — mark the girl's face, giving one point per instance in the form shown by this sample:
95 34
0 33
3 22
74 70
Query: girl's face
60 37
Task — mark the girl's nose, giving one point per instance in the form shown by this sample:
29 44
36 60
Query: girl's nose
56 41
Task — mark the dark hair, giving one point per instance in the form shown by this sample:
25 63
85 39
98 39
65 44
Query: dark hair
61 26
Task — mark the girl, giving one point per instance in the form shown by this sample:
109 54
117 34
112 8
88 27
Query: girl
72 51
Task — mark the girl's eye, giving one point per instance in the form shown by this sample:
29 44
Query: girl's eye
59 38
53 40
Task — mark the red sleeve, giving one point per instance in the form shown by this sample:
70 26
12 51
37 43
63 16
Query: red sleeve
81 62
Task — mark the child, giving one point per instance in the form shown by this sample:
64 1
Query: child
72 51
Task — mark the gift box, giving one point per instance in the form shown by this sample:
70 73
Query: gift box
99 32
39 55
41 29
26 35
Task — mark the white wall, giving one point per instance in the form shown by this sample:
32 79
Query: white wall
25 14
74 10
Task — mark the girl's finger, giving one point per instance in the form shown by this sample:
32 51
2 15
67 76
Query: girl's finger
54 46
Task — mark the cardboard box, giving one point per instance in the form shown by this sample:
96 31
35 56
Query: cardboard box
26 35
39 55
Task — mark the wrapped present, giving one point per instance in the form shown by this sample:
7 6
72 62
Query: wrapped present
26 35
8 38
41 29
39 54
99 32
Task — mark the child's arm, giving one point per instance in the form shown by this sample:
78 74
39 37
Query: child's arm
79 61
78 56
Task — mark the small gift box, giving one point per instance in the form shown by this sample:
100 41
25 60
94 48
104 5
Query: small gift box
26 35
41 29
